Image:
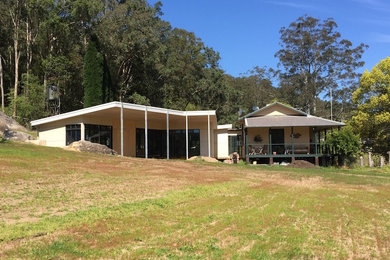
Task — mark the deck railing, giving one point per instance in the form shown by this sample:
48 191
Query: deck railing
288 148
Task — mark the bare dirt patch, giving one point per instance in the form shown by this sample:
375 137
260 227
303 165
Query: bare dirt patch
301 164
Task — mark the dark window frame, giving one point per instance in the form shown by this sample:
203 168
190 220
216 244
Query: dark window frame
177 141
73 133
99 133
233 143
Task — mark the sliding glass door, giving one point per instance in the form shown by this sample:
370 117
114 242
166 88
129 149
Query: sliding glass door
157 143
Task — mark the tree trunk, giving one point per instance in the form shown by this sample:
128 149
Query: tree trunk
1 83
28 47
17 56
16 18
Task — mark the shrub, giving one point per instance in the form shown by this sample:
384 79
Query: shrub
346 143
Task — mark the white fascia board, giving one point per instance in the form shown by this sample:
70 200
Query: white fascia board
75 113
170 111
227 126
201 113
118 105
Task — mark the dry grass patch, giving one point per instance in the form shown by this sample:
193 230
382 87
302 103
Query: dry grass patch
61 204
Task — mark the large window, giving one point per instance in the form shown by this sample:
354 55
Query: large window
73 133
101 134
157 147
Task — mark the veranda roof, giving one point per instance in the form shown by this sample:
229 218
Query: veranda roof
286 121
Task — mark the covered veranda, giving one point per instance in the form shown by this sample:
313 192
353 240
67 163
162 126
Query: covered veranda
287 138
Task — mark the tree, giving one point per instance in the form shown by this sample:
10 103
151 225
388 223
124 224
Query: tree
346 143
190 72
2 83
31 102
93 75
16 13
372 98
252 89
4 43
138 55
139 99
131 35
314 59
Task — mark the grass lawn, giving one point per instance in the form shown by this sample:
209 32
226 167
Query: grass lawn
62 204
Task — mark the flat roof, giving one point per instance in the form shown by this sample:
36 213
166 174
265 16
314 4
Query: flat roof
116 104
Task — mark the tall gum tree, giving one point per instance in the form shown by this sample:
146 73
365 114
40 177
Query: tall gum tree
314 59
16 14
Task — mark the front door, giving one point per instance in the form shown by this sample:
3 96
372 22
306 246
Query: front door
277 140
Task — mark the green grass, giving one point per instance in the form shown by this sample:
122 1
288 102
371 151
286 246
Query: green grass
232 211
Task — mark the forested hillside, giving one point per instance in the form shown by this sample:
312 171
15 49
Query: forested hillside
96 51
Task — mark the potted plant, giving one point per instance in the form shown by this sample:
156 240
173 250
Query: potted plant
258 139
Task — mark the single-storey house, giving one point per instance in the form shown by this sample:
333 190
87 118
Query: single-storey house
279 132
134 130
274 132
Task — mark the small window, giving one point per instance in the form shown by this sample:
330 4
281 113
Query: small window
73 133
233 144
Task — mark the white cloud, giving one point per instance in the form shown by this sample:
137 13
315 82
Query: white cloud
291 4
382 22
378 5
381 37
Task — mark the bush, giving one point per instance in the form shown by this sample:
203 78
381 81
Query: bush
30 102
346 144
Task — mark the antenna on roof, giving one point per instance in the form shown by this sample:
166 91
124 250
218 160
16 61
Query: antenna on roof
254 108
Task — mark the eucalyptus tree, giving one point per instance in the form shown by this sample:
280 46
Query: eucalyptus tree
314 59
131 33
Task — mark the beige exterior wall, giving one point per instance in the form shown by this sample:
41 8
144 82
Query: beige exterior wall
264 133
54 134
276 110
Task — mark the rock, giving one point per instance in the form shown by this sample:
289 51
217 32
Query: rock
3 127
16 136
7 122
12 130
86 146
227 161
203 158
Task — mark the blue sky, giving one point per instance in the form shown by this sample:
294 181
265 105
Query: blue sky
246 32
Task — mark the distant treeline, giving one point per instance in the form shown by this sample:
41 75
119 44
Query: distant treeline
95 51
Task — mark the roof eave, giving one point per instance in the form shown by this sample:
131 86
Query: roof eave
259 126
116 104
